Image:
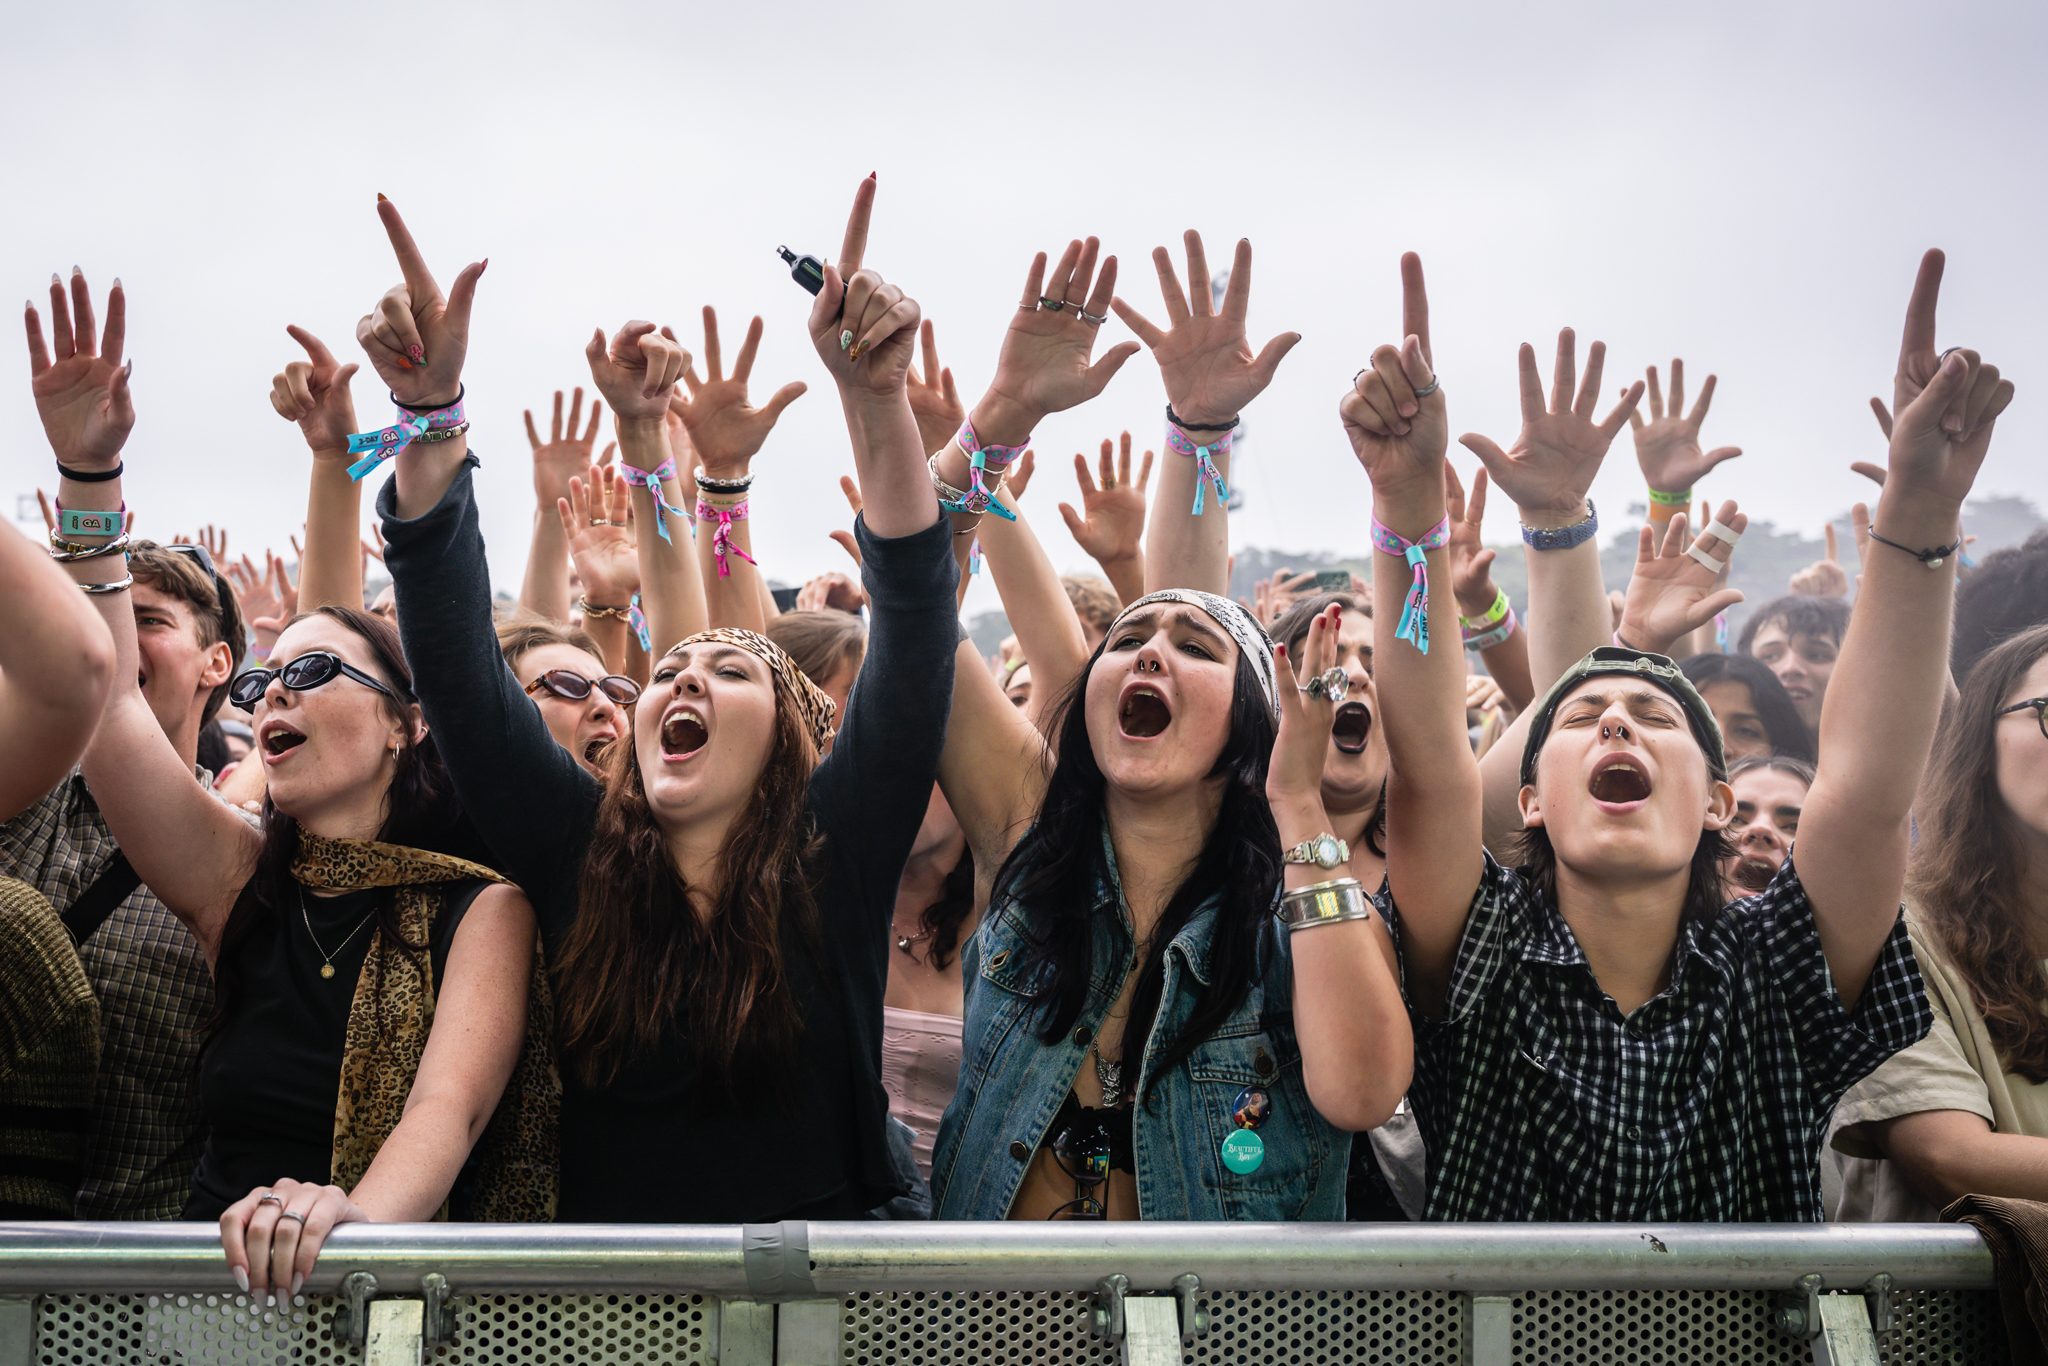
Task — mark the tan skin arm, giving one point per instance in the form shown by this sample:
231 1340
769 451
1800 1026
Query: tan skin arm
479 1027
565 455
56 669
192 851
1112 530
1877 723
1947 1154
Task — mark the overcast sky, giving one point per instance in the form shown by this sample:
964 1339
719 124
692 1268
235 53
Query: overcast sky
1747 185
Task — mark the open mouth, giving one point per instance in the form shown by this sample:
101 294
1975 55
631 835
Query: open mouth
1352 727
596 748
1752 874
683 733
1620 782
1144 713
280 739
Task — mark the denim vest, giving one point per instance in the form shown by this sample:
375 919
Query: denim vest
1012 1081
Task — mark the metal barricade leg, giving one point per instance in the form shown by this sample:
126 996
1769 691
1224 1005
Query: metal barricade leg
17 1332
807 1333
746 1333
1489 1330
397 1333
1845 1337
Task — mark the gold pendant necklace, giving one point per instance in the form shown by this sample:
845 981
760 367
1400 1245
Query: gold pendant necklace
327 959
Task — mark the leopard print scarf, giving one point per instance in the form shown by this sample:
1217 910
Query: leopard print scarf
512 1172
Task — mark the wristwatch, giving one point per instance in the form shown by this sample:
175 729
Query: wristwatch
1324 851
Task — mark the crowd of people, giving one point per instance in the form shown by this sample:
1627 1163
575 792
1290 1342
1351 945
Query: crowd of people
1371 900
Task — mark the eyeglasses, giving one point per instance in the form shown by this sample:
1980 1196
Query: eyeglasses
574 686
1082 1151
309 670
2040 706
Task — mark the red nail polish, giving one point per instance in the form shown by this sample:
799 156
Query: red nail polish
380 198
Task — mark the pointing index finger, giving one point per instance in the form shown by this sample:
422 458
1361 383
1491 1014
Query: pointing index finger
854 248
1415 304
419 281
1919 338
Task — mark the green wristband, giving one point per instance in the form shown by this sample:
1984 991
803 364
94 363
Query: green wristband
1492 616
1681 499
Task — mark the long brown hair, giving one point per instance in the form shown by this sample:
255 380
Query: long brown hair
641 967
1965 877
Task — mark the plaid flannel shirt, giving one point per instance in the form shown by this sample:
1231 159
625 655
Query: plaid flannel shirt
155 994
1539 1100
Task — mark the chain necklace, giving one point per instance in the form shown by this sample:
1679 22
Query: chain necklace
908 942
327 959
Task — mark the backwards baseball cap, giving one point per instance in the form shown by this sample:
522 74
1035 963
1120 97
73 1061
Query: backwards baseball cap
1657 670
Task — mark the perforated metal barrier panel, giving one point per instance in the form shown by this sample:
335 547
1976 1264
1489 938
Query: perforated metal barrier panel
905 1328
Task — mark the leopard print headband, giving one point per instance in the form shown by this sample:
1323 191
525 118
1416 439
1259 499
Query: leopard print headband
812 703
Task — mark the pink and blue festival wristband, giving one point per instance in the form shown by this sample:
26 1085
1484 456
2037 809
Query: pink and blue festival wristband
642 479
721 539
637 619
378 446
978 497
1205 463
1414 625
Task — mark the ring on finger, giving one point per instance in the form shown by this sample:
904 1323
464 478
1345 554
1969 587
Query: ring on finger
270 1198
1942 359
1426 390
1330 684
1098 319
293 1214
1051 305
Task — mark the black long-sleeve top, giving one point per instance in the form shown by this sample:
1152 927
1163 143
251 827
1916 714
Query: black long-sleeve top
653 1147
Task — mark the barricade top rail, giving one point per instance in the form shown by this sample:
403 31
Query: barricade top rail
795 1259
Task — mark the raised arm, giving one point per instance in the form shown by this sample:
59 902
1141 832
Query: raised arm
1210 375
1485 618
565 455
56 669
190 849
314 393
1668 449
1878 720
1039 610
1112 530
1357 1048
1432 803
727 432
596 521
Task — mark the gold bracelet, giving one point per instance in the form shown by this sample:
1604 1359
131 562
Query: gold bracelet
1324 903
585 606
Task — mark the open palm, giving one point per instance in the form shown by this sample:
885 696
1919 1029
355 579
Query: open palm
1205 359
78 380
1559 449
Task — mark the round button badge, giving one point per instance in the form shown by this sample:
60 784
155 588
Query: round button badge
1244 1151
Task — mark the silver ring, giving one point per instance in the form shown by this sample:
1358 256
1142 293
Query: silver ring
1426 390
599 521
270 1198
1942 359
1087 317
1051 305
1330 684
293 1214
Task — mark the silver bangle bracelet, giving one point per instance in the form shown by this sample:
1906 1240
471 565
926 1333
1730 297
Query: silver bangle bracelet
1324 903
117 586
739 485
69 552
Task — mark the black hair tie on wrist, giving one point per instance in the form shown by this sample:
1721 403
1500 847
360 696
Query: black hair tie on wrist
87 477
1187 426
461 392
1932 557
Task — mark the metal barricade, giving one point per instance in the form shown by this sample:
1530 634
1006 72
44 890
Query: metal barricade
905 1294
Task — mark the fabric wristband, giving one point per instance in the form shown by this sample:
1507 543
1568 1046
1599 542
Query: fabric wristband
1205 463
637 619
978 497
1414 625
378 446
721 540
1563 537
651 481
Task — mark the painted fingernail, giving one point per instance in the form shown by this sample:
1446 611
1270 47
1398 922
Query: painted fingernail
380 197
860 349
403 361
845 338
55 278
117 282
418 354
242 1278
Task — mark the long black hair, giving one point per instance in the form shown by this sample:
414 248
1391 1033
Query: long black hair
1051 878
1788 733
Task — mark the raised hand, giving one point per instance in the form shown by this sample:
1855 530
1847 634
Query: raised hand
1399 437
1294 780
1204 358
1111 527
724 427
1471 562
1825 577
831 592
844 539
1944 405
564 455
597 519
637 373
1272 597
1671 593
1558 451
417 339
934 402
314 393
1043 366
79 380
1668 446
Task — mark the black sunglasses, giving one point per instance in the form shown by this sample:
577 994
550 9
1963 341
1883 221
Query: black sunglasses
2040 706
309 670
1083 1153
574 686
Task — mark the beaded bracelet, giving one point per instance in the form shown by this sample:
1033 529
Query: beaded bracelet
1563 537
707 484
